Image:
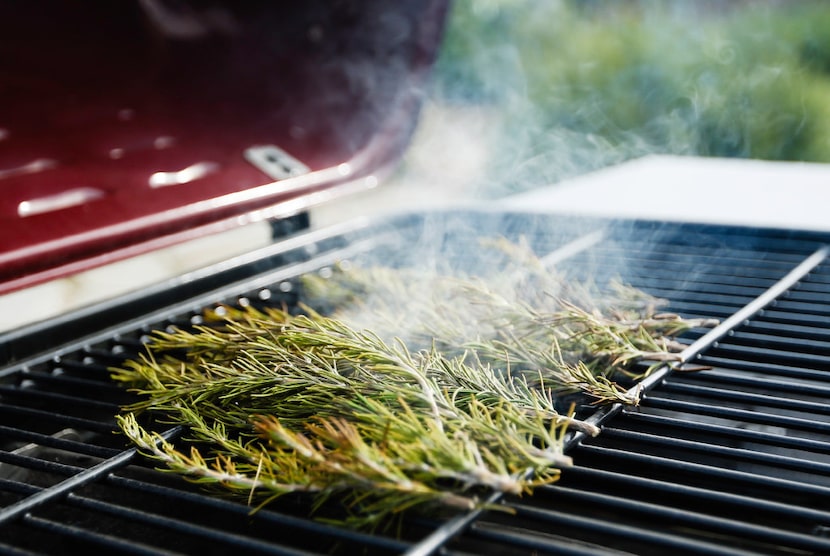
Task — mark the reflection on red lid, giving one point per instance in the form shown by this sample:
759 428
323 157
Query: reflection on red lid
128 125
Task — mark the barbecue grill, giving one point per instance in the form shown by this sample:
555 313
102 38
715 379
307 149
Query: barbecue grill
730 460
733 459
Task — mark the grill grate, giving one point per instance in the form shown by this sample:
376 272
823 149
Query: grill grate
732 460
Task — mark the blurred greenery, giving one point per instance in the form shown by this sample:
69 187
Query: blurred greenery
577 85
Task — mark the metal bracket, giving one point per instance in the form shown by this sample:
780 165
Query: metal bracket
275 162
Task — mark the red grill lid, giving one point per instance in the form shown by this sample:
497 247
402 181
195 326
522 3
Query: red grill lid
126 126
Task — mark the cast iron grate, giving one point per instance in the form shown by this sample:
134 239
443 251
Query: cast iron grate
731 460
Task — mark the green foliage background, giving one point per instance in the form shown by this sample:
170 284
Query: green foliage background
578 85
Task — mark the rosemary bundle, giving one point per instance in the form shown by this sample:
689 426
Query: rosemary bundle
527 318
455 399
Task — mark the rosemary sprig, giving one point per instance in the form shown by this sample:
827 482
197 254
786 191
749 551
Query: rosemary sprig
310 405
452 400
526 318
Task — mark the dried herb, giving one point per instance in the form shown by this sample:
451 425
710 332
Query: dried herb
454 400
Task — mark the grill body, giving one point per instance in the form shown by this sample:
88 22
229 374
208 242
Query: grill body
730 460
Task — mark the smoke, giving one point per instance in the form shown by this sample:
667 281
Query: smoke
529 93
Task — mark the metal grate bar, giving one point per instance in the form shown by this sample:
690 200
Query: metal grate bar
514 538
743 397
270 518
64 401
111 357
712 243
52 441
676 518
556 520
47 416
763 367
731 302
15 551
790 330
84 540
75 383
784 340
709 280
88 371
654 422
720 474
775 315
38 464
804 308
64 488
727 265
180 527
690 495
17 487
769 382
682 279
618 437
747 259
770 355
759 263
572 248
742 415
637 250
707 287
695 310
687 238
806 294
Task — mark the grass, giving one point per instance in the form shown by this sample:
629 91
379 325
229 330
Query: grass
581 85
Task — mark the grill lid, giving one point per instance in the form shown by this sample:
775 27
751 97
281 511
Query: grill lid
127 126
